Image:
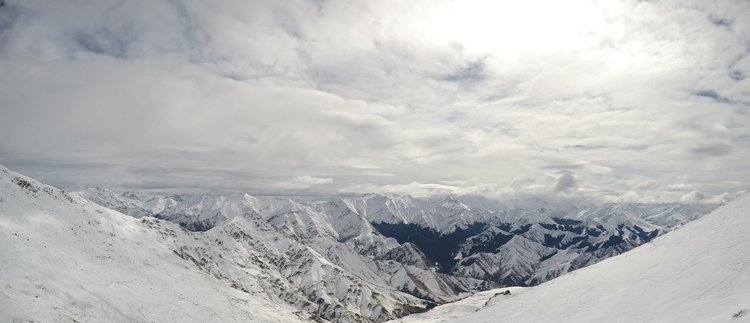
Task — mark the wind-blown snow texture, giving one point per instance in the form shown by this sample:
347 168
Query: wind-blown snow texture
367 258
698 273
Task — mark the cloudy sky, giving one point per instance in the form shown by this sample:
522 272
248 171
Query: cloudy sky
616 100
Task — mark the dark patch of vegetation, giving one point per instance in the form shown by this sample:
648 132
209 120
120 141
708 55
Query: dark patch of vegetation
197 226
523 229
552 241
644 235
26 185
439 248
573 241
491 245
594 232
586 245
468 261
507 227
612 241
564 221
548 256
558 243
577 229
194 226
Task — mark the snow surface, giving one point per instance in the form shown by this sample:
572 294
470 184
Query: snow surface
272 259
83 262
322 250
460 308
65 259
698 273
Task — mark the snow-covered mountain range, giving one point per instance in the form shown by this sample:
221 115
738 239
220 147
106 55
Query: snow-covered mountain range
435 250
699 273
366 258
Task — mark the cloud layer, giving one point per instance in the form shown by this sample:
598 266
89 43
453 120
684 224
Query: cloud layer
632 100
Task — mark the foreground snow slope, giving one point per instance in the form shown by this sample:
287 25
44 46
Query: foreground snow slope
64 259
459 308
698 273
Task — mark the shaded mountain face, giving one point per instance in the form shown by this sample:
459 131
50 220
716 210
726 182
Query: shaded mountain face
376 257
698 273
521 253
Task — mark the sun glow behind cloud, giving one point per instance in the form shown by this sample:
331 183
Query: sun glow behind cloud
519 27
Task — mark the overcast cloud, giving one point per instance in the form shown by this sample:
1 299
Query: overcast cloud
617 100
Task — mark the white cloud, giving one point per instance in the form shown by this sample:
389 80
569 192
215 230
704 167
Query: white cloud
680 186
693 197
414 189
629 95
303 182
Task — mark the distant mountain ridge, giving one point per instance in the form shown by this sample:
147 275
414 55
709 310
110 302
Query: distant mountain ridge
366 258
66 259
433 249
698 273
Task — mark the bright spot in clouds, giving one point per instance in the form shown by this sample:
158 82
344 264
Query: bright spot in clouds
518 26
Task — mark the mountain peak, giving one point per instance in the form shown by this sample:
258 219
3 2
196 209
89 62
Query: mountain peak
451 202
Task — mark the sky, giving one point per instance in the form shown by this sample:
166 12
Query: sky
620 101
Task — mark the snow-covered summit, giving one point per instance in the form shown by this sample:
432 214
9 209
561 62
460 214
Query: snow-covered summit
451 202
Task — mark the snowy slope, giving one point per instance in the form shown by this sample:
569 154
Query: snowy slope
66 259
460 308
246 258
282 264
698 273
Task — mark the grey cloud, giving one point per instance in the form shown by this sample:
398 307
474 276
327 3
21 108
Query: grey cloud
519 183
736 75
252 94
585 147
712 150
721 22
303 182
473 72
712 95
414 189
565 183
693 196
705 139
562 166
